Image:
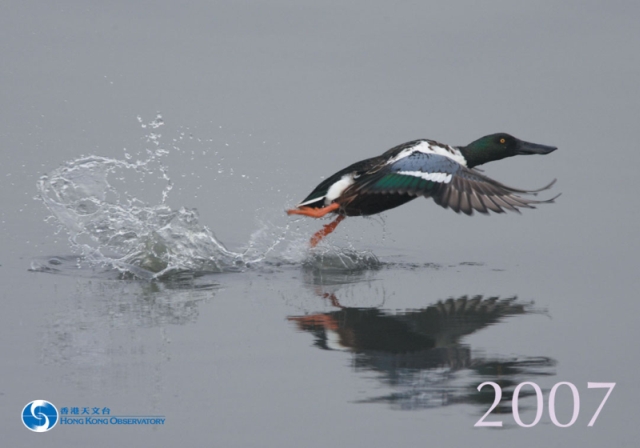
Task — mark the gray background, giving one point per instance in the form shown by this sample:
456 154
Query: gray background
284 93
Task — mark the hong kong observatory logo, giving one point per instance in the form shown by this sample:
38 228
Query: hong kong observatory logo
39 416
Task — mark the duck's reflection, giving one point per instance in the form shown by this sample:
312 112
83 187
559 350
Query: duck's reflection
419 353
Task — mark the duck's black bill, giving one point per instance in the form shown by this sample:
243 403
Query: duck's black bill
533 148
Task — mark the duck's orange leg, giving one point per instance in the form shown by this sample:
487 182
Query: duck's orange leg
314 212
326 230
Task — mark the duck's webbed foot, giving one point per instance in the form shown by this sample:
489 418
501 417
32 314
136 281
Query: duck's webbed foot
314 212
326 230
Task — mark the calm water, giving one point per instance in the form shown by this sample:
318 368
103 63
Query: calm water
152 270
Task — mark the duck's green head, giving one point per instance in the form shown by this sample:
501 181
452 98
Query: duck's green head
498 146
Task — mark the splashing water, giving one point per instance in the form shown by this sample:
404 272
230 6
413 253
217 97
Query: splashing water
110 227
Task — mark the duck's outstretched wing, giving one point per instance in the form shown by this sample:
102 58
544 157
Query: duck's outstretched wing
449 183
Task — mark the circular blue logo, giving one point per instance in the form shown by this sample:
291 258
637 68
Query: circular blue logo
39 416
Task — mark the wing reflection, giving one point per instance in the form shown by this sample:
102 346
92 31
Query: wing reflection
419 353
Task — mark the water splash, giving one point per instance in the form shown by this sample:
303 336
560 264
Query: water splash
115 220
340 259
107 225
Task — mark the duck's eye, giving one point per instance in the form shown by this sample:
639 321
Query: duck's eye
502 140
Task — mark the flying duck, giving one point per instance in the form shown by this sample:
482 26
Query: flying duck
422 168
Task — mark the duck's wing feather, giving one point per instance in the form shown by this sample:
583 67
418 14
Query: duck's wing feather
449 183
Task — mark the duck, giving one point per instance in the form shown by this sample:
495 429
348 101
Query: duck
423 168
